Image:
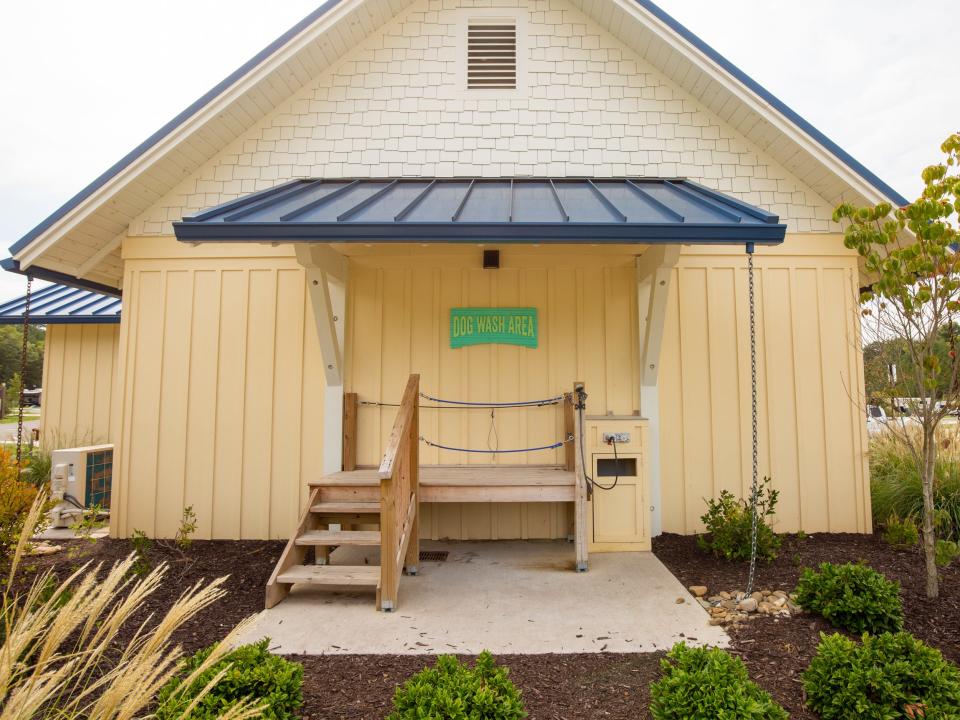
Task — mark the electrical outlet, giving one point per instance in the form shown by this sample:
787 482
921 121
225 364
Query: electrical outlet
610 438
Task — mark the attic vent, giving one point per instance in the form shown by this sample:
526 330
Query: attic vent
492 54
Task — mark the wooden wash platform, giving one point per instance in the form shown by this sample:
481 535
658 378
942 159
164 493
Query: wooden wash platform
388 496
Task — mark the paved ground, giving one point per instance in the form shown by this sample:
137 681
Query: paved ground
8 431
507 597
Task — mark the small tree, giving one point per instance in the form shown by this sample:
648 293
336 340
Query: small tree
13 393
909 254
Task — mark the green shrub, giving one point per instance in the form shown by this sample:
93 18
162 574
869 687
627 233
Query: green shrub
453 691
188 526
728 522
253 673
901 533
16 497
707 683
895 485
142 564
946 552
37 466
885 677
852 596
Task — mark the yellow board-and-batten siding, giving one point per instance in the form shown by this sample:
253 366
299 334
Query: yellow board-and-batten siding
813 440
79 374
217 341
399 302
221 405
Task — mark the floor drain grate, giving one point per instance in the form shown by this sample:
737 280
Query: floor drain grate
433 555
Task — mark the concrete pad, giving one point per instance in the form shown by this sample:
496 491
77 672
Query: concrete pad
66 533
506 597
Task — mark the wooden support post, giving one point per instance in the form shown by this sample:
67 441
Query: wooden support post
389 578
350 404
412 560
580 498
569 449
399 497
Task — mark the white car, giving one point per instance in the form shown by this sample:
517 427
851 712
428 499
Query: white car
876 419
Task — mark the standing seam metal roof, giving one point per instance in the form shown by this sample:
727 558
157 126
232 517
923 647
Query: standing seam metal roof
62 305
500 210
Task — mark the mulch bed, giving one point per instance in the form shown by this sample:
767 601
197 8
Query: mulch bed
247 562
777 651
555 687
568 687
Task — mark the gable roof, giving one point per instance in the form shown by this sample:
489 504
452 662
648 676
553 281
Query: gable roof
97 217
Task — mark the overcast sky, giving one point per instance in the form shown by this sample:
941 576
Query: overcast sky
84 82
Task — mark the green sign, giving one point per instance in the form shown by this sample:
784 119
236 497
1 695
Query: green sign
502 326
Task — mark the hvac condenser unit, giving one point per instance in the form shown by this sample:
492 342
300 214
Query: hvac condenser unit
80 479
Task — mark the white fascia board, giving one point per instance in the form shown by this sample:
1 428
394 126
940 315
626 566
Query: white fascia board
751 100
209 112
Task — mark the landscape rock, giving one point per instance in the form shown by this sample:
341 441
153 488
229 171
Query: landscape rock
45 549
735 606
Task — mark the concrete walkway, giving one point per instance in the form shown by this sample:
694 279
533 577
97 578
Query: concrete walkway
506 597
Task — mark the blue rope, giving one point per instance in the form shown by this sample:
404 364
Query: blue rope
457 449
518 403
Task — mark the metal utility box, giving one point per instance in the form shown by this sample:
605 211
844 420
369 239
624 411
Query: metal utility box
619 515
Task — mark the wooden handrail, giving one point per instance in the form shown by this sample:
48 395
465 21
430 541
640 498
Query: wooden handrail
401 426
400 497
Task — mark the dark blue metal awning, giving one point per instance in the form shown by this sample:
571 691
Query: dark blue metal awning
62 305
510 210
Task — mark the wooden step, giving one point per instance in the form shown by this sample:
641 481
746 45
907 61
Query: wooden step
339 537
333 575
335 508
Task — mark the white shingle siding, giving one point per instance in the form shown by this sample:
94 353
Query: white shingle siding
393 106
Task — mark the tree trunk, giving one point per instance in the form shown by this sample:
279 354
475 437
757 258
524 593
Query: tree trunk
929 536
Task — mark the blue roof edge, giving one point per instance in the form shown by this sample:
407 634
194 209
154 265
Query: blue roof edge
63 320
210 95
781 107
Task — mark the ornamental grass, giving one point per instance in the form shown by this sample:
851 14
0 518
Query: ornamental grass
64 655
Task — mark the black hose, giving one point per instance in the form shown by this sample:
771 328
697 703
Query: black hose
591 482
73 501
616 478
